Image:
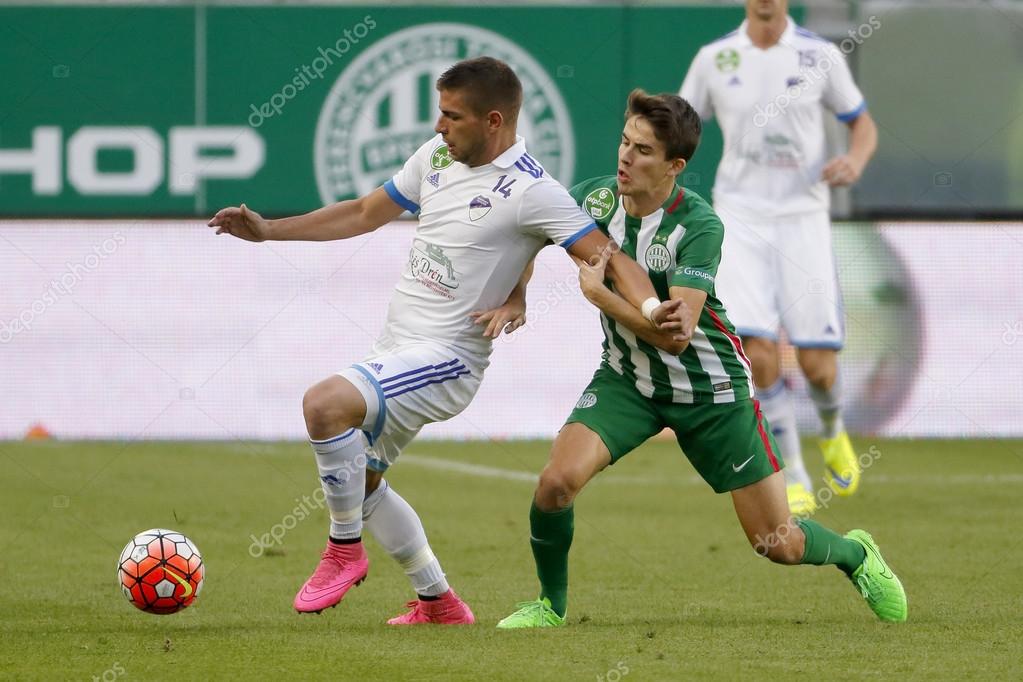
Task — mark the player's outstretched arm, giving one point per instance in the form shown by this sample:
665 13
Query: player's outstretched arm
626 275
591 281
511 314
337 221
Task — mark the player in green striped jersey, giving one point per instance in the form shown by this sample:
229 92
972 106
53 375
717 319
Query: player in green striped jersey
697 383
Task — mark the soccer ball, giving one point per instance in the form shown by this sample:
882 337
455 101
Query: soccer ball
160 571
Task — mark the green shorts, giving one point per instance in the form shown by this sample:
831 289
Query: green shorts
729 444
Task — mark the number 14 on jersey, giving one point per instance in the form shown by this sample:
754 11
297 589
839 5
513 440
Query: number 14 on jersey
503 188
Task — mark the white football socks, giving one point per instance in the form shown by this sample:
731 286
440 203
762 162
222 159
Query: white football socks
341 461
829 407
397 528
777 406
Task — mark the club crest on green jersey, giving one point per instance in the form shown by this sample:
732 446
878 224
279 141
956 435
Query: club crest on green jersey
599 203
587 399
657 258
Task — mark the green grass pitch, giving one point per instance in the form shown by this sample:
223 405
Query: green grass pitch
663 584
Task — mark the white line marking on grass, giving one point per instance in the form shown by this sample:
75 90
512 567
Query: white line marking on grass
471 469
482 471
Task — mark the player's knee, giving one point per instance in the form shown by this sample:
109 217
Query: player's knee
556 489
323 413
819 373
763 356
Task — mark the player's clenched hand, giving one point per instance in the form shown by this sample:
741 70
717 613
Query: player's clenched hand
591 274
841 171
242 222
674 318
508 317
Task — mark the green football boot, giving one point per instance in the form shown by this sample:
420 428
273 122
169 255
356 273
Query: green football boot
877 582
532 614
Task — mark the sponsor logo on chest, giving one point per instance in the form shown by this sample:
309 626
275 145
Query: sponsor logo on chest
599 203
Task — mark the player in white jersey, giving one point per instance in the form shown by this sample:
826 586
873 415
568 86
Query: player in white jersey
768 84
486 207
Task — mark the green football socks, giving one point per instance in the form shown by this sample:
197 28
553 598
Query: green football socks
550 535
825 546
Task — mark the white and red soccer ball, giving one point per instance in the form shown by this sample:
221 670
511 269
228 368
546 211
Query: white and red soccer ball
160 571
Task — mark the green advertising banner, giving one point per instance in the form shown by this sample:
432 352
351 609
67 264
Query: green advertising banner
175 111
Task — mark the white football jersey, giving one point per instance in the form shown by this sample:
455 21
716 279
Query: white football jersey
478 228
769 104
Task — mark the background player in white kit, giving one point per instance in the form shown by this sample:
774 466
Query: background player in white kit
768 83
486 207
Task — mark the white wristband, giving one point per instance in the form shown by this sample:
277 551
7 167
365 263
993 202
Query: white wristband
649 306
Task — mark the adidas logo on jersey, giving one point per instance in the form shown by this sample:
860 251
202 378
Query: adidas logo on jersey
735 81
434 179
376 367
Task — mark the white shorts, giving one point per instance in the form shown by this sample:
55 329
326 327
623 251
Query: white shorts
408 386
779 273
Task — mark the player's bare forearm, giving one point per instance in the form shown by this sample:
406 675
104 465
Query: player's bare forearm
518 294
625 314
594 254
338 221
862 139
630 281
694 300
846 169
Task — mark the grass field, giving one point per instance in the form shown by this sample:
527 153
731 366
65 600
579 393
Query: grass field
664 586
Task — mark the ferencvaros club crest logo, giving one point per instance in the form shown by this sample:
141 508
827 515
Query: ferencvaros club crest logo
383 107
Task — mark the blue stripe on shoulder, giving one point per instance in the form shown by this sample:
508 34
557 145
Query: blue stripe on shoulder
567 244
810 34
853 114
527 165
399 198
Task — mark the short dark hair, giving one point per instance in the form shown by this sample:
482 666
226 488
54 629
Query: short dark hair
488 84
674 121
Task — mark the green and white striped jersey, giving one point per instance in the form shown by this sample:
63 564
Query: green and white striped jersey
679 244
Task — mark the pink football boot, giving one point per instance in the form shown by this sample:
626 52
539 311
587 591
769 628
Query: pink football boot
341 567
447 609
